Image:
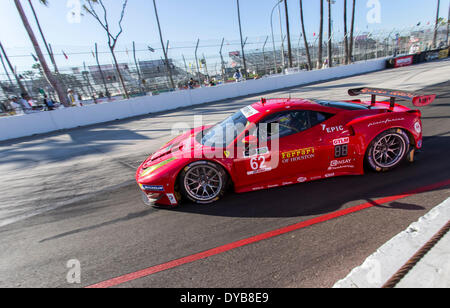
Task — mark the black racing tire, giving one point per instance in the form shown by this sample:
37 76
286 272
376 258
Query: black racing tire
203 182
388 150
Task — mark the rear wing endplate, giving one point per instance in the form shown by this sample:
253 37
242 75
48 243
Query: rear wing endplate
418 100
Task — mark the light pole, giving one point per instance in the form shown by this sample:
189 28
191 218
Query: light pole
437 24
196 63
282 38
273 38
222 62
264 55
330 50
169 72
242 44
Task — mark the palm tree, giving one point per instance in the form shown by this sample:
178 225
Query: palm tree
165 50
288 34
47 46
330 55
346 34
47 73
320 52
19 82
352 30
305 39
436 24
448 24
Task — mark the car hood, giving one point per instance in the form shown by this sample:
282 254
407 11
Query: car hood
184 143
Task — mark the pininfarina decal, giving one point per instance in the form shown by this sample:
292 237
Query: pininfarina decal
385 121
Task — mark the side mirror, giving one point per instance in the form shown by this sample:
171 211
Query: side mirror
250 140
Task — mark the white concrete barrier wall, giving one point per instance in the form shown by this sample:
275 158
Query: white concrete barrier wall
44 122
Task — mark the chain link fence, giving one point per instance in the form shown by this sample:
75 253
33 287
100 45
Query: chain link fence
209 63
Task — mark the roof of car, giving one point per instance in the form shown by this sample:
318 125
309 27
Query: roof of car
281 103
342 105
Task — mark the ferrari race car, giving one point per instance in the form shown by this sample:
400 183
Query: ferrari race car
281 142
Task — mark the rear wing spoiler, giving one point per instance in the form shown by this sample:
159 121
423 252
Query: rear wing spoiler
418 100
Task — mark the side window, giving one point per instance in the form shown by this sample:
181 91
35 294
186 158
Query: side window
318 117
285 123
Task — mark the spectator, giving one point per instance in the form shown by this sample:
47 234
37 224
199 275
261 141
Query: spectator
49 103
15 105
25 103
73 98
191 83
237 76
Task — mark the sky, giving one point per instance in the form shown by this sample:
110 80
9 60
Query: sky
185 21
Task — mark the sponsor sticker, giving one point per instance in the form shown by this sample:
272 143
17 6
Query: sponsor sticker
258 165
418 127
257 171
332 129
297 155
341 141
385 121
256 152
404 61
249 111
172 198
258 188
340 164
152 187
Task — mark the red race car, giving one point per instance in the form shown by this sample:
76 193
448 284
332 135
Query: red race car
281 142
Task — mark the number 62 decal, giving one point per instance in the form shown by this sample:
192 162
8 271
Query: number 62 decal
258 165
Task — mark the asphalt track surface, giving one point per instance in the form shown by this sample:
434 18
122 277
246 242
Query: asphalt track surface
70 195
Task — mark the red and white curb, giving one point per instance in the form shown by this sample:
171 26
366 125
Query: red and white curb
389 258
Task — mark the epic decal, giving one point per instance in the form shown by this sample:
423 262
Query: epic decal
332 129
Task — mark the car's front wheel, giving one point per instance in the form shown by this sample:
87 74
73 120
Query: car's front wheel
203 182
388 150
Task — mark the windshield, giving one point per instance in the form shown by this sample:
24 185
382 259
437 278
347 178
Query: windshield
225 132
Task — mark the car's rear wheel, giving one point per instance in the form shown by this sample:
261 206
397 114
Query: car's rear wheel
388 150
203 182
